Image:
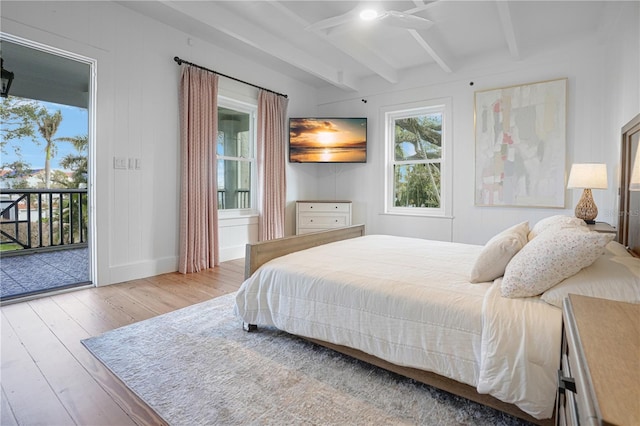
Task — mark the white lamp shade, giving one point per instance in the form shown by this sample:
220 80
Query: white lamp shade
634 183
588 175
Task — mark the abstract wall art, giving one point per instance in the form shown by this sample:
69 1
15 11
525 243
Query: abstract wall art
521 144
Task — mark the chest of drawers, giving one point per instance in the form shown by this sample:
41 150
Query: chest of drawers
314 216
599 380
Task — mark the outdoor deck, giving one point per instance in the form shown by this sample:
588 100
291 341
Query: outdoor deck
45 271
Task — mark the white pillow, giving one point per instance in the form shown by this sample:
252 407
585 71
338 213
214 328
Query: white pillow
497 253
555 223
616 249
609 277
550 258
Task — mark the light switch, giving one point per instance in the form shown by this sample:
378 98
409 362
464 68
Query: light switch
119 163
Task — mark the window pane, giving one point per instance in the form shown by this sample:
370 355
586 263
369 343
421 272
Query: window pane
418 138
235 144
417 185
233 133
234 184
244 145
220 143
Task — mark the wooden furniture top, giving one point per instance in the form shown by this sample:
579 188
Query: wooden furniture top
602 227
323 201
609 334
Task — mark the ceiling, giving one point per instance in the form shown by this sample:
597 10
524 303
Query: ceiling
293 37
45 76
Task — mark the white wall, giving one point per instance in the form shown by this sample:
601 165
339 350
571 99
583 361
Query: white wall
603 72
137 117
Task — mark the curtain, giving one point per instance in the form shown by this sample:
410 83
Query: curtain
198 200
272 188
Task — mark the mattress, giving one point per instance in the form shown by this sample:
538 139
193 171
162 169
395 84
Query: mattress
409 301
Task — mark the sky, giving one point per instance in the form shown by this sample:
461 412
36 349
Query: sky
75 122
327 132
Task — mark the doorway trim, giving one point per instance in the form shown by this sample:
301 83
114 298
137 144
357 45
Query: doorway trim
91 113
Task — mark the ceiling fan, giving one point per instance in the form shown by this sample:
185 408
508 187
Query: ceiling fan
393 18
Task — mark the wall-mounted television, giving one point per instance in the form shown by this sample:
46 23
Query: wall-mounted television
328 140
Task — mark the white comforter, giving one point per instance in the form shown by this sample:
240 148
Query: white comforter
408 301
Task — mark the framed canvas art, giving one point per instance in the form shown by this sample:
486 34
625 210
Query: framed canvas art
521 145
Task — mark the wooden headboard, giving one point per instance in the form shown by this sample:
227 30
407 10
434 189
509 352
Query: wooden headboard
629 210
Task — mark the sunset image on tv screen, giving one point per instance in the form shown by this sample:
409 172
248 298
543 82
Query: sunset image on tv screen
328 140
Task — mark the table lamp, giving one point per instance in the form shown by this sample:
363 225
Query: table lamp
587 176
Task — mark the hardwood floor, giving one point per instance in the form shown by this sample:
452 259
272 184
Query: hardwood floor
47 375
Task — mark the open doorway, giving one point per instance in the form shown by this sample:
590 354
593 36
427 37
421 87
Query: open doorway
45 169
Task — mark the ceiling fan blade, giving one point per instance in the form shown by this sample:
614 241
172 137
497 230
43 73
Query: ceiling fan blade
404 20
334 21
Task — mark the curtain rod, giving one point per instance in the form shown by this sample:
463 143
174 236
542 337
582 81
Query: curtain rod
182 61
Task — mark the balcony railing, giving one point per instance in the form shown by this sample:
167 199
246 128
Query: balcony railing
42 219
242 199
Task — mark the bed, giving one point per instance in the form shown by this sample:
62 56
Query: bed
409 305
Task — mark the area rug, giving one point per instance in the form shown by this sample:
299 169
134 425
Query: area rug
196 366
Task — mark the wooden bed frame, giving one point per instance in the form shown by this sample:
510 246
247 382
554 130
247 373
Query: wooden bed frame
260 253
629 207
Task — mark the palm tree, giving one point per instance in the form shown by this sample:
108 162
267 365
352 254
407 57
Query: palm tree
78 162
47 127
76 222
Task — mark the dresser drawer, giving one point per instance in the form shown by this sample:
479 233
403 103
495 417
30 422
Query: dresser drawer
580 405
323 221
324 207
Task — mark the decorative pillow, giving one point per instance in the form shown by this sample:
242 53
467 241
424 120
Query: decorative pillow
614 248
556 222
497 253
609 277
550 258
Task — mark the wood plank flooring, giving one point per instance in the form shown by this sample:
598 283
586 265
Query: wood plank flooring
48 377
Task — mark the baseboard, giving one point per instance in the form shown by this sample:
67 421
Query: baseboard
134 271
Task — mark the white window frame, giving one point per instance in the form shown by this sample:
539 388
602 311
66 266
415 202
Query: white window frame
388 117
252 110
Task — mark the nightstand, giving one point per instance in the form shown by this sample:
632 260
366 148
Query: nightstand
602 227
599 380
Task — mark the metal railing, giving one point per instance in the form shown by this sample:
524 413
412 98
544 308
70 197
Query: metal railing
242 200
40 219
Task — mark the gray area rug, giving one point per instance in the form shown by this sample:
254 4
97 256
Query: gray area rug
196 366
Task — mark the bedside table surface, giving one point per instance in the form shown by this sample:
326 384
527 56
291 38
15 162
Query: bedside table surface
609 334
602 227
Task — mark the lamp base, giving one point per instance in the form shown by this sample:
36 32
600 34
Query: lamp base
586 208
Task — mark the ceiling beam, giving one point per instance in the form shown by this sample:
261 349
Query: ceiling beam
358 51
507 28
237 27
435 50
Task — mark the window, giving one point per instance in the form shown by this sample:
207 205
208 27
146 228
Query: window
235 154
416 168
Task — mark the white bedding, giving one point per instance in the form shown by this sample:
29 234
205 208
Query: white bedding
408 301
